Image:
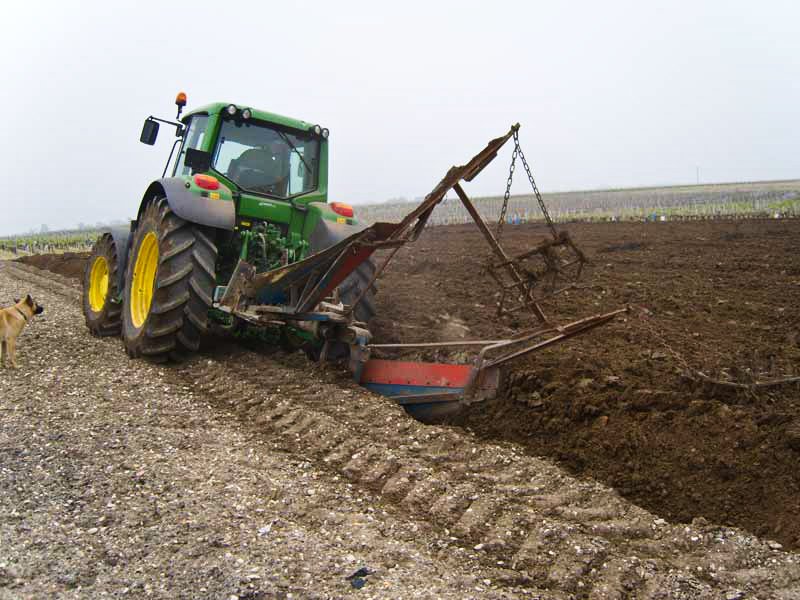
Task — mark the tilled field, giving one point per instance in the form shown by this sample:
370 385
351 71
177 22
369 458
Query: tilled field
257 475
624 404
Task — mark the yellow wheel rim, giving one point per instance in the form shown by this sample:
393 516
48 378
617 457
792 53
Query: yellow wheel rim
98 284
144 279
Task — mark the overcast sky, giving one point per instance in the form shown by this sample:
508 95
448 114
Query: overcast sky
608 93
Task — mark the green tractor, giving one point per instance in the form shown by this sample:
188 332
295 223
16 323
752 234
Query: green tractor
245 185
241 233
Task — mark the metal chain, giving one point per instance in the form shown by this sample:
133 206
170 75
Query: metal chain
504 209
518 150
502 220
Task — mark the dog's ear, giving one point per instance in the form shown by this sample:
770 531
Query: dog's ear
16 300
29 301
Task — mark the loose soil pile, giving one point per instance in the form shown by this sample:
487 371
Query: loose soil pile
623 404
68 264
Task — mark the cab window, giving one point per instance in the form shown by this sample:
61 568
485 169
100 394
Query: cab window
193 138
265 158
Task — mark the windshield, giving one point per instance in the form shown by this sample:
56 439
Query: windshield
267 159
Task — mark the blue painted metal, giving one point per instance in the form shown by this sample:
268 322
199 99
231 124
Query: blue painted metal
427 391
392 390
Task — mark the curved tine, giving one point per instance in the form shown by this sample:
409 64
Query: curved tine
522 337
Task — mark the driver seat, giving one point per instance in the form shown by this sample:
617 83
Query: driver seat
259 168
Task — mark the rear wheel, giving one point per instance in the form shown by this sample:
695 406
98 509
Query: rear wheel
169 284
101 306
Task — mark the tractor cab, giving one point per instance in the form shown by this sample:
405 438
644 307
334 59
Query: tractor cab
252 152
258 178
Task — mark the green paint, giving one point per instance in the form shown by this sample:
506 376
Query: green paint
269 229
266 248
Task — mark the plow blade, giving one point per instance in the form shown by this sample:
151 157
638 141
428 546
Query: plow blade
428 391
431 391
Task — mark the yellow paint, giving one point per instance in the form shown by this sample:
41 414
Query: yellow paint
213 195
341 220
144 279
98 284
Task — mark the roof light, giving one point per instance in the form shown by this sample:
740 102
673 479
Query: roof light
247 113
180 100
231 109
317 130
325 133
340 208
207 182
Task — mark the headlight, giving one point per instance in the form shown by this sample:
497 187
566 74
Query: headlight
231 109
317 129
247 113
325 133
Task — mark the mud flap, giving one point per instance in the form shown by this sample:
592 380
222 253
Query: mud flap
122 239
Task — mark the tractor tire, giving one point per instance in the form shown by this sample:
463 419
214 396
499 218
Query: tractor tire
101 306
169 285
350 290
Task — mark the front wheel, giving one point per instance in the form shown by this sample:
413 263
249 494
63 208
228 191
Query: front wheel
169 285
101 304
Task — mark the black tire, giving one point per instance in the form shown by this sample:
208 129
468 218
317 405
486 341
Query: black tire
183 286
104 319
351 288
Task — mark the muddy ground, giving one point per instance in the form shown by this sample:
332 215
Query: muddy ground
615 406
722 298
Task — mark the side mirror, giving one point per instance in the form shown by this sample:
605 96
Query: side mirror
197 160
149 132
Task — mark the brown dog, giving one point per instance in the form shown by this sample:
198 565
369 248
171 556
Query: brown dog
12 321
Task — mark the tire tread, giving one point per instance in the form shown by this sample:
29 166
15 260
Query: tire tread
184 288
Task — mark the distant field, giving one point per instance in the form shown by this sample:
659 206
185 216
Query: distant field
726 200
701 201
54 242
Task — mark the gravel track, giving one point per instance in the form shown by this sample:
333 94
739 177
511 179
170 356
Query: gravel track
258 476
117 482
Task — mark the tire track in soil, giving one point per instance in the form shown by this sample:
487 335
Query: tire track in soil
525 519
538 525
94 436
